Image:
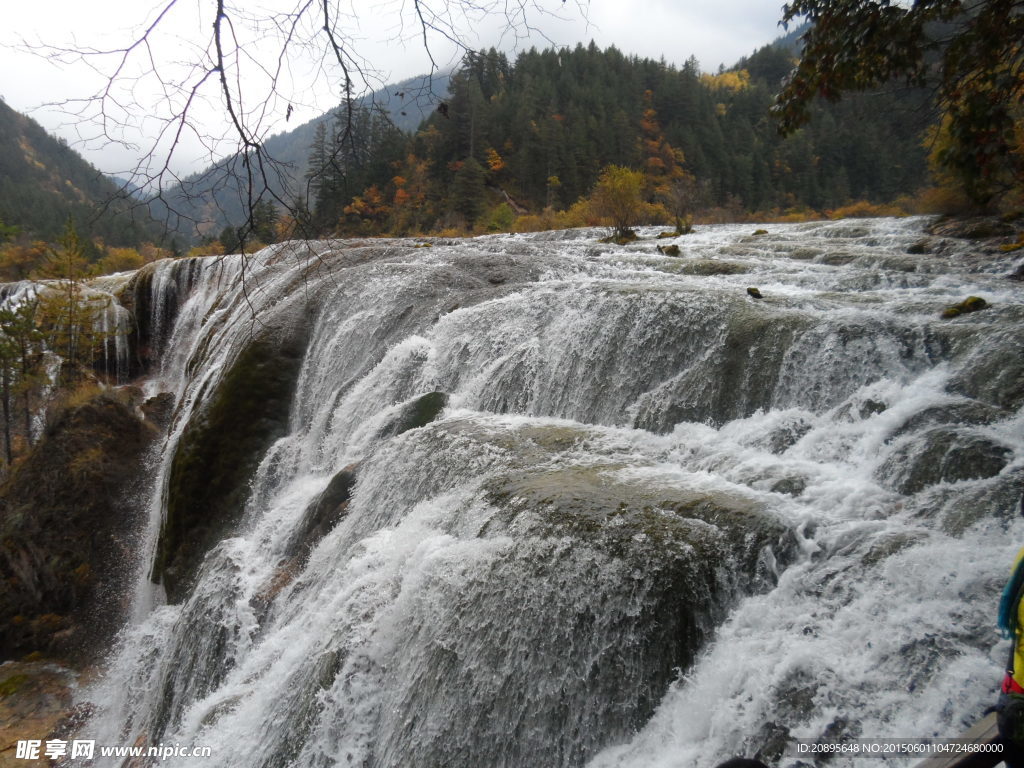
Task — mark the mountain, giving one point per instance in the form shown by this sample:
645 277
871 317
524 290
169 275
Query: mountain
43 182
535 133
214 197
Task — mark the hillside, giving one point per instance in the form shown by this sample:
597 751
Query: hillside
214 197
534 133
43 182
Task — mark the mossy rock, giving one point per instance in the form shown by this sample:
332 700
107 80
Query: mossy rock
220 450
620 238
669 250
323 513
66 528
711 267
418 413
968 305
590 503
37 702
759 232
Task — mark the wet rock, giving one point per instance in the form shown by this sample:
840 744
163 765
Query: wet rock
791 486
924 245
942 455
754 293
418 413
858 410
36 702
158 410
220 450
973 228
785 436
968 305
999 500
673 540
887 545
794 697
964 413
66 529
618 516
759 232
994 373
740 376
669 250
709 267
325 512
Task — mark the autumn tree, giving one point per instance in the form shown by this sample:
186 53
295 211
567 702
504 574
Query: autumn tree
971 53
681 197
67 313
618 196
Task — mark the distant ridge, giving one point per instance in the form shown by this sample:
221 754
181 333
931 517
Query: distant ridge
43 182
213 197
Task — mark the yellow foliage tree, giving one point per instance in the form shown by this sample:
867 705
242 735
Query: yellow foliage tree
618 196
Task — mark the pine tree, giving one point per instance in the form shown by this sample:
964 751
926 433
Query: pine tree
67 313
21 364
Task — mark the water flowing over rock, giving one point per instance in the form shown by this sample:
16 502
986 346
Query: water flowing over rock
534 500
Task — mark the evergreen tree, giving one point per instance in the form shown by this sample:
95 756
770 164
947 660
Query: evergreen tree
68 314
21 364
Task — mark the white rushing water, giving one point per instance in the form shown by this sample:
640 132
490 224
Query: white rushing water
657 523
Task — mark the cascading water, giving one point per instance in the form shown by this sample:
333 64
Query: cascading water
529 500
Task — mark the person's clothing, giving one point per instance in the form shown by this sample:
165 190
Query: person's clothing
1010 707
1011 622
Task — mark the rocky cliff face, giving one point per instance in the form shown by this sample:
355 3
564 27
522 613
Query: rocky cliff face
69 520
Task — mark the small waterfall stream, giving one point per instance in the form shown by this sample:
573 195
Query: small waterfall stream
529 500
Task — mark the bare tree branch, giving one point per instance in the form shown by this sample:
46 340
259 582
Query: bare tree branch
207 82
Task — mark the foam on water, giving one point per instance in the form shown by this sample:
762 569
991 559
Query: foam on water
439 623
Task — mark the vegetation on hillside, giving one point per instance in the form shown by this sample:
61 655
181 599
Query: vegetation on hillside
533 137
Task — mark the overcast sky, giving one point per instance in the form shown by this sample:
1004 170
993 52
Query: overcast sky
382 32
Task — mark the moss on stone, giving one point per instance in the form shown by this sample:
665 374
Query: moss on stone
591 503
12 684
65 528
219 452
968 305
418 413
325 511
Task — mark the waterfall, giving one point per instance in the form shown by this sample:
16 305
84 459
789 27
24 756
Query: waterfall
532 500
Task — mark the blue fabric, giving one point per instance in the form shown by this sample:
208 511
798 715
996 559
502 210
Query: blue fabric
1007 621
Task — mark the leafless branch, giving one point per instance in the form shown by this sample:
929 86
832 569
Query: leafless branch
208 82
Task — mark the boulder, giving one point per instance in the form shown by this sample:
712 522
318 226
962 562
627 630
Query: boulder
325 511
416 413
67 529
942 455
220 450
968 305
